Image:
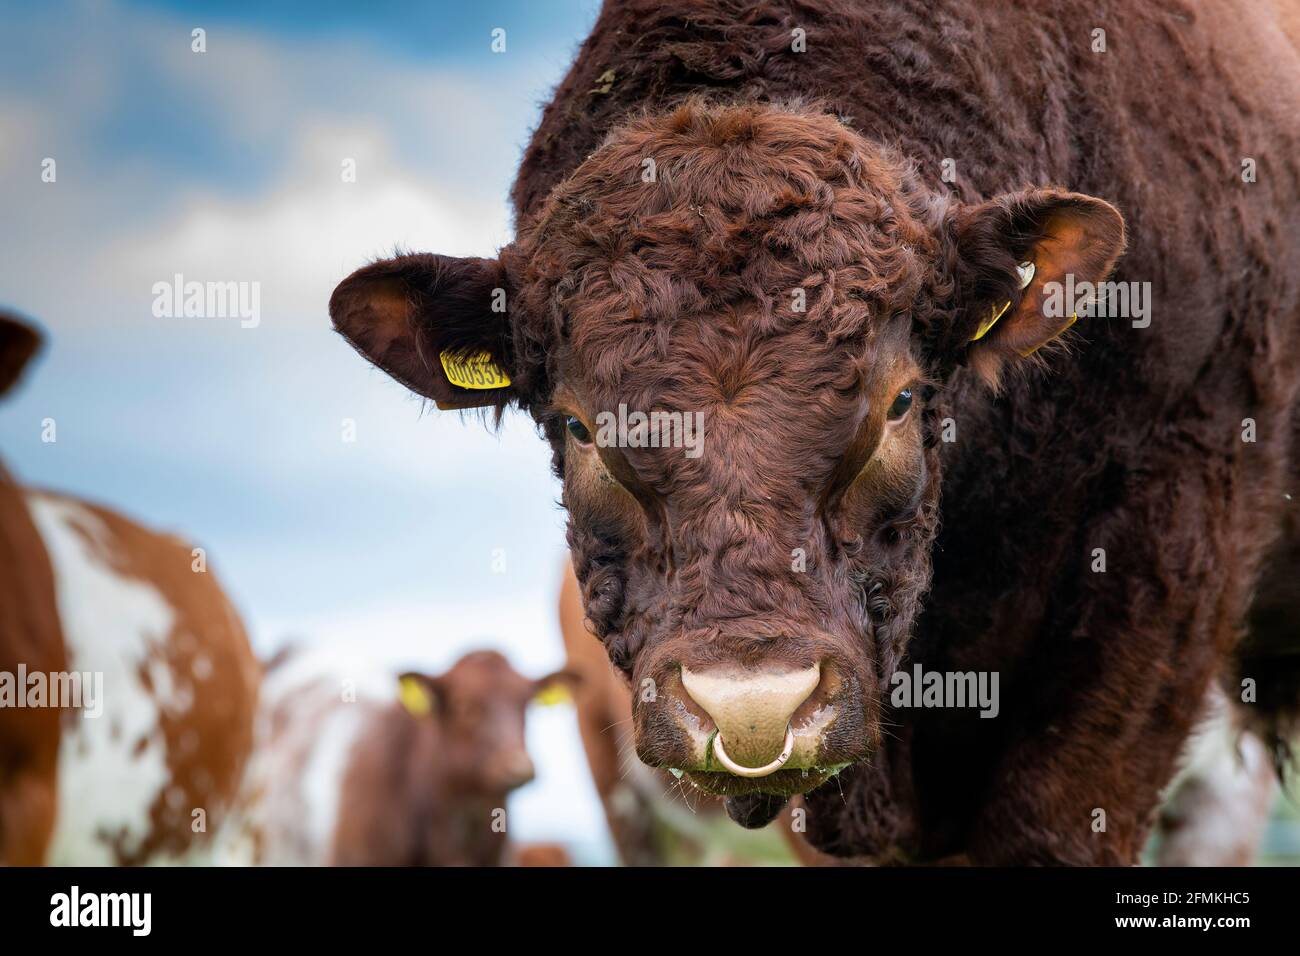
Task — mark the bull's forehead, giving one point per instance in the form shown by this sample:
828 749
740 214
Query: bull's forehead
730 181
772 405
732 359
711 248
816 344
828 254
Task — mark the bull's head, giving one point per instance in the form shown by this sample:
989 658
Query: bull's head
796 299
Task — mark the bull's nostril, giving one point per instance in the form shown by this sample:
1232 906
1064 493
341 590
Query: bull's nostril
751 710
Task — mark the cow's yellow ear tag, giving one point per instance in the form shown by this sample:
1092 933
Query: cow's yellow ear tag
552 694
989 323
1026 270
476 371
415 697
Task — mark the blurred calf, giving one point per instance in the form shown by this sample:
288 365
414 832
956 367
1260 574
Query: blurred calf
418 781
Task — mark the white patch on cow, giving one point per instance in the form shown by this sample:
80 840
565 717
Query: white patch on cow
322 779
289 806
1218 804
202 667
116 626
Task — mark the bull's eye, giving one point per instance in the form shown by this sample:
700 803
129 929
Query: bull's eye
902 402
578 430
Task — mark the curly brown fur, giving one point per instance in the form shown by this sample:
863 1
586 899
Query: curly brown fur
822 171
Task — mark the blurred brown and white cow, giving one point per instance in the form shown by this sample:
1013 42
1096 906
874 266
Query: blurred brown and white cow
127 685
420 780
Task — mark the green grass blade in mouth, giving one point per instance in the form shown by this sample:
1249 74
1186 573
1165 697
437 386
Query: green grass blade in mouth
708 751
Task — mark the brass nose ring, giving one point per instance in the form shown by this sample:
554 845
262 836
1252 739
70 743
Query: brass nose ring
763 771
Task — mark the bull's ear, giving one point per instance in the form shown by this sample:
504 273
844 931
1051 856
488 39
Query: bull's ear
18 343
1014 256
437 324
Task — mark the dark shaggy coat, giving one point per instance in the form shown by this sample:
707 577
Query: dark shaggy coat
1169 447
1133 443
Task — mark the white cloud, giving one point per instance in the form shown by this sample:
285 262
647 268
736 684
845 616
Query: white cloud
305 233
436 149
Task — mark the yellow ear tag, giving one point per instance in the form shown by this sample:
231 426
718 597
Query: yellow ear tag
414 697
473 371
552 694
1026 270
989 323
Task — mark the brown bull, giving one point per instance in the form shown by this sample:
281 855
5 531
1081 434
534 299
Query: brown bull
805 297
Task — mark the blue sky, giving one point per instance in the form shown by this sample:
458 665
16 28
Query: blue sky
225 166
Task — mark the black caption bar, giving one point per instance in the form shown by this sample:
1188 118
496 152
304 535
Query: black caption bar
334 906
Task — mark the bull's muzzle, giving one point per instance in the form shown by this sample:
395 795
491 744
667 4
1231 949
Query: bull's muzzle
751 711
